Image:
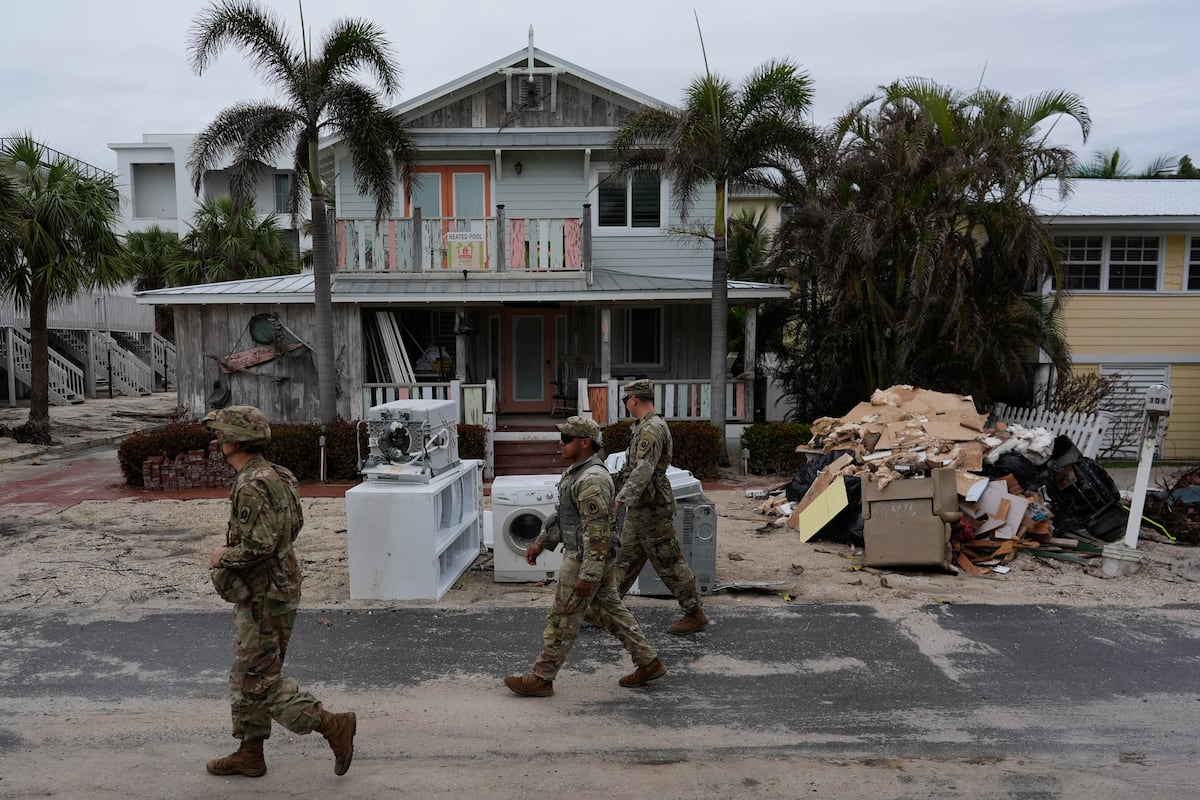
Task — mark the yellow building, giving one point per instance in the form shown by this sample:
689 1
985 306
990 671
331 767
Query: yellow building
1130 250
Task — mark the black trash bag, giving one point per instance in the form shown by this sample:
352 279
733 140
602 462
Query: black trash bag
1082 494
847 526
808 472
1017 465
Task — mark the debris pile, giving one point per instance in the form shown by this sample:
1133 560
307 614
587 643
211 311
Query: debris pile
918 478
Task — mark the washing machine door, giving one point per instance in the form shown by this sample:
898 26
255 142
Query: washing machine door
522 527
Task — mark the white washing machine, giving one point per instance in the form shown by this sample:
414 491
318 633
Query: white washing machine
520 504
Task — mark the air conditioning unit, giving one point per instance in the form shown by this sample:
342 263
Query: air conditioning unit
410 440
696 530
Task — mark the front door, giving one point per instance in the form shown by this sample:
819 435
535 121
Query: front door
528 359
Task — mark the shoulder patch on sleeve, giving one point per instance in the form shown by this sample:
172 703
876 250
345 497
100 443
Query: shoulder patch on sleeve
244 514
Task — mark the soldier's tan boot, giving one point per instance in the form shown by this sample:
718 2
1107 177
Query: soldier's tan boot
338 730
530 685
246 760
689 623
644 674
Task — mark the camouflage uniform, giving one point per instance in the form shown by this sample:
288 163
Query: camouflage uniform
643 489
258 573
585 517
264 520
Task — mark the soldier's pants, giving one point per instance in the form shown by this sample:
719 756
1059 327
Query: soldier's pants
649 535
258 692
562 626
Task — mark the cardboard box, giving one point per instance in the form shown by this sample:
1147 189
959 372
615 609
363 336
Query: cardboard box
902 523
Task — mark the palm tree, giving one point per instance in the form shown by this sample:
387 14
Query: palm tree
57 240
229 242
916 246
319 98
1111 164
721 135
151 255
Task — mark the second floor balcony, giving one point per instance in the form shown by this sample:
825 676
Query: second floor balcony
501 243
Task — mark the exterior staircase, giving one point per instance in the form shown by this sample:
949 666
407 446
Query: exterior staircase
527 448
152 349
16 357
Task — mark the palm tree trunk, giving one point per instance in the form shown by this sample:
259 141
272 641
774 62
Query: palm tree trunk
323 312
37 428
720 323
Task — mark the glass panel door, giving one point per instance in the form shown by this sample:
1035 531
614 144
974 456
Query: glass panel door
426 194
468 195
528 380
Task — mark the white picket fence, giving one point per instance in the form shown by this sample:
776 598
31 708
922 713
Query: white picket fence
1085 430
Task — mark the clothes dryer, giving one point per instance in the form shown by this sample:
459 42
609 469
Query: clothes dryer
520 505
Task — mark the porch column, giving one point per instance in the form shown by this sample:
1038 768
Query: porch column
418 263
501 239
461 345
585 236
89 365
750 358
605 343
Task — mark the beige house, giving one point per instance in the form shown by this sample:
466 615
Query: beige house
1131 253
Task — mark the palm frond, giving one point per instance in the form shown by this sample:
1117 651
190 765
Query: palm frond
352 44
262 36
381 149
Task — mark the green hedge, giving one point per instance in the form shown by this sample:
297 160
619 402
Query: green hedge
293 445
772 447
695 445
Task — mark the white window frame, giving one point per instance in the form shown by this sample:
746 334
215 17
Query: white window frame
664 207
1191 264
1106 243
626 338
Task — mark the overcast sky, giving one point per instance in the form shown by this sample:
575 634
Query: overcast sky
79 74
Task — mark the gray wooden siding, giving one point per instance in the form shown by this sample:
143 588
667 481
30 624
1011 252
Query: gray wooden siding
658 255
351 204
579 104
687 332
285 388
551 184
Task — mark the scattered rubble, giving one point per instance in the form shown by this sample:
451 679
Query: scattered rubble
919 478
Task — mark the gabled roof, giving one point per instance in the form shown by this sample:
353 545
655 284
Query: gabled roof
1105 200
517 60
473 289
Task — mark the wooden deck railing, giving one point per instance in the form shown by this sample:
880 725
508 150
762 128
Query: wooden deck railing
434 244
674 399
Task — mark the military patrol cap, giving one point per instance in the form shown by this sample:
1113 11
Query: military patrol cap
581 427
239 424
642 389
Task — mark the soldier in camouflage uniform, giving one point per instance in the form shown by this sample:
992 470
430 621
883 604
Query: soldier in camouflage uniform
257 571
644 491
588 578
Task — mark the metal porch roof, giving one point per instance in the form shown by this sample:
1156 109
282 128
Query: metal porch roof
469 289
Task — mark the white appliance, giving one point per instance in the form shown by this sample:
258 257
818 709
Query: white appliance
695 528
410 440
412 541
520 505
683 482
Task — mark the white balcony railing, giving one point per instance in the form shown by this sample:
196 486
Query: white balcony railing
435 244
675 399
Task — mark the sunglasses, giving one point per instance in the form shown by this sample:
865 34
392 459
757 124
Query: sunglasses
568 438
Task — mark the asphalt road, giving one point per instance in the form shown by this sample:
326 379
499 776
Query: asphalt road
815 701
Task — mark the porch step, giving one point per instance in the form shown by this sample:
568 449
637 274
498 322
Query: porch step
528 457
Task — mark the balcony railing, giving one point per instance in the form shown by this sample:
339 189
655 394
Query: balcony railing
434 244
